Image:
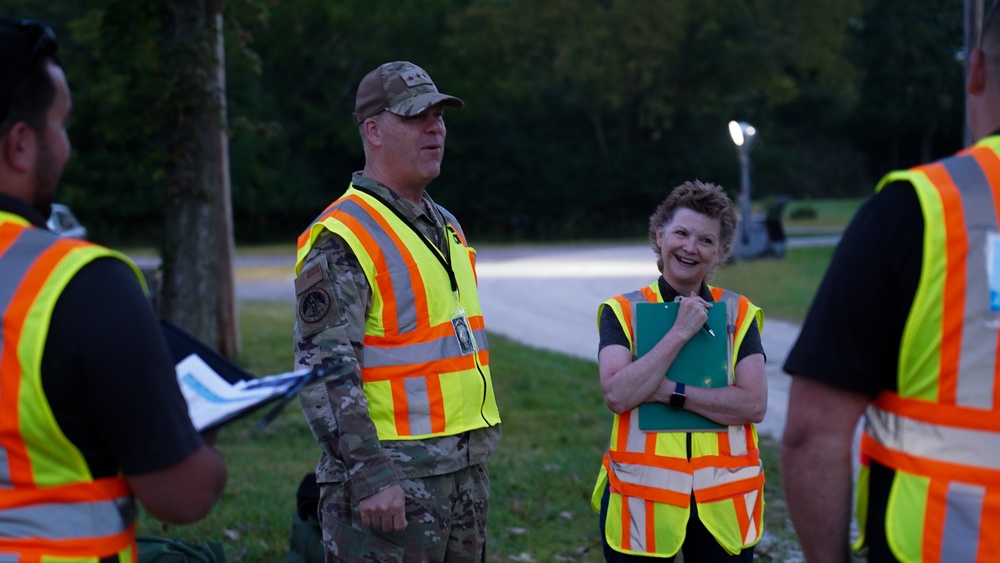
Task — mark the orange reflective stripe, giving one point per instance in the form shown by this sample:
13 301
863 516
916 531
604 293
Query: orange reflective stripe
626 315
954 283
8 234
98 490
650 448
650 294
626 525
400 404
652 460
723 444
758 513
989 540
657 494
935 413
419 369
728 490
922 466
419 292
650 527
742 517
389 316
936 507
23 298
621 440
989 161
436 402
752 459
36 549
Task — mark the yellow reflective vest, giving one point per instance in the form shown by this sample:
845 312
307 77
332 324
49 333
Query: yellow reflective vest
417 380
940 432
651 477
51 507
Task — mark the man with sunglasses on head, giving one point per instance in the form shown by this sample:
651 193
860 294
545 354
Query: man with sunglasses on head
905 331
387 299
91 417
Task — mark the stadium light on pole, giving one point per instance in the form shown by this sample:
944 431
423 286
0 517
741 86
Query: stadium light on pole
744 135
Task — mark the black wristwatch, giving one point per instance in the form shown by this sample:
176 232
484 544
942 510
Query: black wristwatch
678 398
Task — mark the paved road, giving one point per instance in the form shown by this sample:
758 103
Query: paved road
548 296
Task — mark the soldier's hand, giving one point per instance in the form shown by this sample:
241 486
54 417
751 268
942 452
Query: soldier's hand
385 510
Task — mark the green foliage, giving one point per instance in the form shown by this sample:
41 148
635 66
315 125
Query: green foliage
800 212
580 115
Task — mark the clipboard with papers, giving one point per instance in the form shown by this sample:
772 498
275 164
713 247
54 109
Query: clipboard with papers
702 362
217 391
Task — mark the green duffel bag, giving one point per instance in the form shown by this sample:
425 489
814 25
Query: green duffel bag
154 549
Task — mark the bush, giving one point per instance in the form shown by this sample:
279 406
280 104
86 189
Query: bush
802 212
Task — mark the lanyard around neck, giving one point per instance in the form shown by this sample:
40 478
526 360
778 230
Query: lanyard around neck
443 258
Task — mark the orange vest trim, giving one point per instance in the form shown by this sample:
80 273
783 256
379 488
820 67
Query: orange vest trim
21 473
954 294
936 413
923 466
23 491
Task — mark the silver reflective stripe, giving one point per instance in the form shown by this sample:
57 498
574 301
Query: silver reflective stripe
64 521
418 405
399 273
977 359
636 440
960 540
654 477
714 476
974 448
738 440
437 349
637 523
14 263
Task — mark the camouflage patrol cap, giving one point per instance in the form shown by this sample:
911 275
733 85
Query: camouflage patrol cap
401 88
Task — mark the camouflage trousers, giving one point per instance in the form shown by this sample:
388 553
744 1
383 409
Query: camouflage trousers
445 515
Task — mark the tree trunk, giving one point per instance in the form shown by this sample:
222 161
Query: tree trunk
198 278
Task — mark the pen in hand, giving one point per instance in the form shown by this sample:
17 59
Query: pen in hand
704 326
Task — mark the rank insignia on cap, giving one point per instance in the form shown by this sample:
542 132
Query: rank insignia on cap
416 78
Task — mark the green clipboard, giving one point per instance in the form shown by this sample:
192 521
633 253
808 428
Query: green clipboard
702 362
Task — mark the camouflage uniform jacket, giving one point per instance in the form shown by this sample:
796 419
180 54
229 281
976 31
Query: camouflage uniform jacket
336 407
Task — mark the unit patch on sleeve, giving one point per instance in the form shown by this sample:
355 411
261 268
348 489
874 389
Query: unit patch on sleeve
314 304
317 305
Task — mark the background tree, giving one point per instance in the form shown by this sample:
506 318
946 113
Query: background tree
198 282
580 114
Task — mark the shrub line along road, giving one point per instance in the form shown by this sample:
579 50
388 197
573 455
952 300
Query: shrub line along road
547 297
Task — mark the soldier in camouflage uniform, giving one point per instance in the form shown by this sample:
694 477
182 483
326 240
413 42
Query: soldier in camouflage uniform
387 497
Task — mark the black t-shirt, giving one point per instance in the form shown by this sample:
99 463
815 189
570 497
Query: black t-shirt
107 374
611 331
852 333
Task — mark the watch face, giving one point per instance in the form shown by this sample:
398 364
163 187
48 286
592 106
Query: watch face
677 401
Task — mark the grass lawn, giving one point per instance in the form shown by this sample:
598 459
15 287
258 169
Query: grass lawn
555 429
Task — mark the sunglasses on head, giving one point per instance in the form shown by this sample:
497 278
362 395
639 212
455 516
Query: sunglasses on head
43 44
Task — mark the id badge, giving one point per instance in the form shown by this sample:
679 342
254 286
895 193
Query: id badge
466 343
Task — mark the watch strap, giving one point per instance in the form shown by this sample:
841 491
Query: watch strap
678 397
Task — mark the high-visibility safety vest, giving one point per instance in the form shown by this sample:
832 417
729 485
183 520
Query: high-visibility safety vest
51 507
651 478
417 381
941 431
